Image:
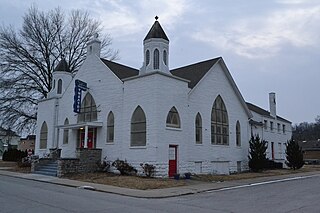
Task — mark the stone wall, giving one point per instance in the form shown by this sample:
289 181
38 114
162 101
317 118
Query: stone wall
68 166
88 159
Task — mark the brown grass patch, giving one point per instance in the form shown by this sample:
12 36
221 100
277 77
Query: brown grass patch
132 182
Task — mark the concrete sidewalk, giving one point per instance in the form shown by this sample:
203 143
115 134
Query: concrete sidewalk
159 193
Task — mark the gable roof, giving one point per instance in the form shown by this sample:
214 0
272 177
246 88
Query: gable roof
156 31
62 66
121 71
194 72
263 112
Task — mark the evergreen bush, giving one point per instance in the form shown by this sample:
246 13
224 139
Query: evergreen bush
257 154
294 155
13 155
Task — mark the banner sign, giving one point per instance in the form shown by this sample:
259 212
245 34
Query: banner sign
79 87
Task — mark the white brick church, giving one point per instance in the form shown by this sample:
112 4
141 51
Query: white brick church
190 119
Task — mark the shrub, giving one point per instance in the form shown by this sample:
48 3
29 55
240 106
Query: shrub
148 169
13 155
294 155
104 165
257 154
124 167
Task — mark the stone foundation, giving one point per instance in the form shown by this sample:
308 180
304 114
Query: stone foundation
68 166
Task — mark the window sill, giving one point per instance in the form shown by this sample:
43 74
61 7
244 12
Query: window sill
109 143
223 145
173 128
199 144
138 147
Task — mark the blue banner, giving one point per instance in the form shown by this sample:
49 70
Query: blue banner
79 87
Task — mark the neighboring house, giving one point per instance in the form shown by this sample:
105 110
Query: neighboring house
8 139
271 128
311 151
189 119
27 143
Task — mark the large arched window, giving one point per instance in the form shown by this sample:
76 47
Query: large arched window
43 136
219 123
88 110
147 57
238 134
156 59
59 89
110 128
66 132
138 128
198 125
165 58
173 119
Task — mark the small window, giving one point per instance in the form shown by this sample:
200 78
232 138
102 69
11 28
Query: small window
66 133
59 91
110 128
173 119
147 57
271 125
138 128
156 59
165 57
265 124
238 134
198 125
284 128
43 136
278 126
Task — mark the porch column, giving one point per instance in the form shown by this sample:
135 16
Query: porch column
85 137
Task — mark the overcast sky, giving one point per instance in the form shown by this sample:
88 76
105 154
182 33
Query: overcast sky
268 46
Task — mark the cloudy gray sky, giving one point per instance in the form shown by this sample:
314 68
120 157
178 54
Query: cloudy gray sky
268 46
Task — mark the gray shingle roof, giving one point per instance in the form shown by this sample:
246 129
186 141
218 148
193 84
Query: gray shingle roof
62 66
263 112
156 31
194 72
121 71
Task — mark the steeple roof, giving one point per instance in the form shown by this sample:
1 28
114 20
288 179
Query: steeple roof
156 31
62 66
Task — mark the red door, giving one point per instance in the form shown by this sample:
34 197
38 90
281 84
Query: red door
172 160
90 139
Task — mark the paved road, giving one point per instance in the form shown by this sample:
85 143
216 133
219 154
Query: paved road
19 195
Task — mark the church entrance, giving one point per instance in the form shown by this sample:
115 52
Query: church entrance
173 151
91 142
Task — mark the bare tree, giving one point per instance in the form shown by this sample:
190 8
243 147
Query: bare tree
29 55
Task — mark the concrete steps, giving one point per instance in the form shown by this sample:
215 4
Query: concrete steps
49 169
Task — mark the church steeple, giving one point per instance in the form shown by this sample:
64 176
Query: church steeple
155 50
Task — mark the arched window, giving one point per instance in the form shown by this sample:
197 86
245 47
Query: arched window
147 57
198 125
110 128
173 119
156 59
59 90
219 123
88 110
165 57
43 136
238 134
66 132
138 128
